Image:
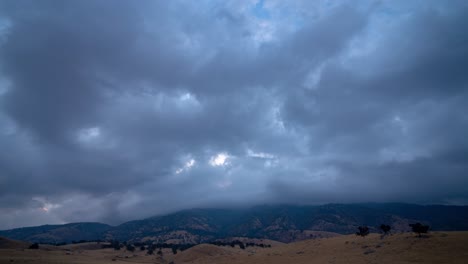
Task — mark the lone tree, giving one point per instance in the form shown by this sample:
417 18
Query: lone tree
363 231
385 228
419 228
130 248
114 244
34 246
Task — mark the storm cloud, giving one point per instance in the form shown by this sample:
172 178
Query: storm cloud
117 110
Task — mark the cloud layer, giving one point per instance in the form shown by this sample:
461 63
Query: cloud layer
122 110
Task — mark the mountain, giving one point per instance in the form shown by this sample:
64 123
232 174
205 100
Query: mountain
59 233
285 223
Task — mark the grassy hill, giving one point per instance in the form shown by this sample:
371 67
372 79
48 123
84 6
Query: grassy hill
6 243
437 247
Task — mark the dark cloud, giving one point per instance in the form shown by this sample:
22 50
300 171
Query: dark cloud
111 112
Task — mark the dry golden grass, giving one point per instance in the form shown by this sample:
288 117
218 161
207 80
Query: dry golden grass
438 247
101 256
12 244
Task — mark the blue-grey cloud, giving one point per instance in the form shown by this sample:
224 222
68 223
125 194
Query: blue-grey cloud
116 111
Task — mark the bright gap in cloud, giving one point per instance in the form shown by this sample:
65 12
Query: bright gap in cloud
185 102
260 11
189 164
219 160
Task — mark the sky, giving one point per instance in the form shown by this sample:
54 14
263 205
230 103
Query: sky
119 110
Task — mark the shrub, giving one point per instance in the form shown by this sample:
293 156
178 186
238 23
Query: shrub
419 228
34 246
130 248
363 231
116 245
385 228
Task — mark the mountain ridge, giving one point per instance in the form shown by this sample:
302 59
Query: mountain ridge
285 223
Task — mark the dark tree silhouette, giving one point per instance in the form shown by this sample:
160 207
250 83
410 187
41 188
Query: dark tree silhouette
241 245
419 228
385 228
34 246
142 248
130 248
174 250
150 251
116 245
363 231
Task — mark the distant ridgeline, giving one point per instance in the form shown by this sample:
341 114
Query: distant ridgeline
285 223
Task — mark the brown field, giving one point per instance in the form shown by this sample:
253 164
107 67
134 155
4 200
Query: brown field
437 247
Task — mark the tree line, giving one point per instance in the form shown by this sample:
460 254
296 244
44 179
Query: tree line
417 228
150 247
241 244
363 231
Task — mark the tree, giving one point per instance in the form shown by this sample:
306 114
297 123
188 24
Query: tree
142 248
34 246
385 228
174 250
363 231
419 228
130 248
116 245
150 251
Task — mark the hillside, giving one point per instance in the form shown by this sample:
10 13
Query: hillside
6 243
59 233
437 247
283 223
288 223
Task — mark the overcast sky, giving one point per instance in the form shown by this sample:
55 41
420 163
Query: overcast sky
118 110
